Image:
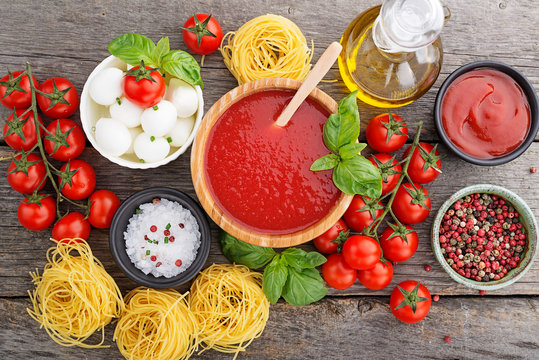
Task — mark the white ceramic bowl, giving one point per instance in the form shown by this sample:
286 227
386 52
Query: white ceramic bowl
90 112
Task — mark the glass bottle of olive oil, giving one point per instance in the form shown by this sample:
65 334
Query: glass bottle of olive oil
392 53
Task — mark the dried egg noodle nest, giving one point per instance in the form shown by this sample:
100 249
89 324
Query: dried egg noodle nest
267 46
230 307
157 324
74 296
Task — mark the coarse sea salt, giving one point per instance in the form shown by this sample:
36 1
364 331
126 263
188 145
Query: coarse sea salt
162 238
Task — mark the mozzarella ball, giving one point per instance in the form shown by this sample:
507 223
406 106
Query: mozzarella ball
134 132
106 86
112 136
181 131
183 96
127 112
150 148
160 121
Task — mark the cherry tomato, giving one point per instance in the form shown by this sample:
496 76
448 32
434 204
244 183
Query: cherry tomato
11 95
148 90
361 252
324 242
64 130
386 133
103 205
378 277
359 214
410 301
37 212
203 34
25 125
337 273
425 164
71 226
82 181
389 168
399 243
62 95
411 206
35 168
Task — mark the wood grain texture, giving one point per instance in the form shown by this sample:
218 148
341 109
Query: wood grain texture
360 328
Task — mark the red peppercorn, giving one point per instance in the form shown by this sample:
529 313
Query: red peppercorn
166 232
171 239
158 264
428 268
153 228
178 262
435 298
181 225
482 292
447 339
153 258
533 169
156 200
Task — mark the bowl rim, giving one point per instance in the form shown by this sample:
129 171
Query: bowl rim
528 90
199 180
528 220
117 243
85 102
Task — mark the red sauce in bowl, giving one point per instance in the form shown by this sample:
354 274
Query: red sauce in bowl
259 174
485 113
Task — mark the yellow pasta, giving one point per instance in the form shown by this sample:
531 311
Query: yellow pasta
267 46
157 324
229 306
75 296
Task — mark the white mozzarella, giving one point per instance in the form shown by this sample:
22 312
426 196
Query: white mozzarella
183 96
106 86
112 136
160 119
127 112
134 132
150 148
181 131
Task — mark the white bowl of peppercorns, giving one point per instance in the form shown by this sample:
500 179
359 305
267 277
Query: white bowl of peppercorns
485 237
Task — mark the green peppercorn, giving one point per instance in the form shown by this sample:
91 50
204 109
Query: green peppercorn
469 211
450 262
485 197
459 213
467 198
505 226
481 273
461 244
519 248
496 252
453 241
456 221
498 211
481 266
474 244
476 259
491 275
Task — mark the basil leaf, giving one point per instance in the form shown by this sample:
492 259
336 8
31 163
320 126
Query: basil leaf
301 259
342 128
240 252
303 287
180 64
132 48
161 49
326 162
348 151
358 176
274 279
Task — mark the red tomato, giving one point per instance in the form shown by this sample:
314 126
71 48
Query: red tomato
324 242
411 206
62 99
25 125
425 164
361 252
394 245
64 131
103 205
71 226
337 273
11 95
378 277
37 212
410 301
144 92
359 214
82 181
35 168
202 35
389 168
386 133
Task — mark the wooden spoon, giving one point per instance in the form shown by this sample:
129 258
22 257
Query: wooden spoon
319 70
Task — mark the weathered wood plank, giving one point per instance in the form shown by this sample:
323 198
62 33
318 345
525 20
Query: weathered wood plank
364 328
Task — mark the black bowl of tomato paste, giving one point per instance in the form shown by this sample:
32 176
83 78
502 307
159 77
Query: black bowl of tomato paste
487 113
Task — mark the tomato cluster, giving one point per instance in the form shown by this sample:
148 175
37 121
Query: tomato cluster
354 247
63 140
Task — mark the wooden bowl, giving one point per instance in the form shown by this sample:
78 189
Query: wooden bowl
199 180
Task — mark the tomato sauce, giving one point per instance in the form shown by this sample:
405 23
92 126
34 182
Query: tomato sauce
259 174
485 113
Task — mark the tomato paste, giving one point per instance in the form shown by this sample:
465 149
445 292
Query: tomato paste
259 174
485 113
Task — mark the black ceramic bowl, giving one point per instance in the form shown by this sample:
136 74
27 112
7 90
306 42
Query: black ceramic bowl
528 90
119 225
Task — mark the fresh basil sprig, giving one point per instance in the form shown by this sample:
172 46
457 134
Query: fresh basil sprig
291 274
352 173
132 48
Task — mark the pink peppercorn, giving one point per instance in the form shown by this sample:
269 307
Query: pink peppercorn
482 292
435 298
428 268
447 339
178 262
166 232
153 258
153 228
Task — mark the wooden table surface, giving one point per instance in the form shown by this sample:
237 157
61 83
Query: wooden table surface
69 38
